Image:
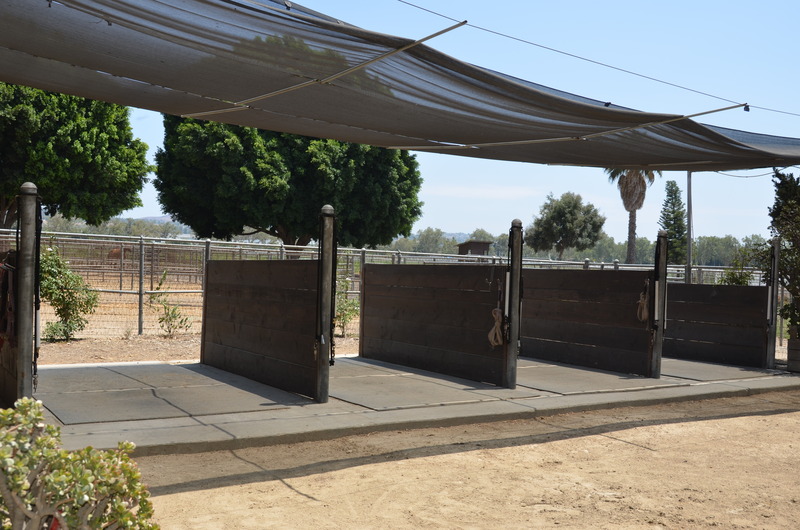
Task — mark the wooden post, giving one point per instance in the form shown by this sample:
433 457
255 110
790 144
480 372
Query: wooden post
513 300
26 265
660 303
327 267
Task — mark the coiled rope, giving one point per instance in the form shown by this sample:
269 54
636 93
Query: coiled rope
643 309
496 335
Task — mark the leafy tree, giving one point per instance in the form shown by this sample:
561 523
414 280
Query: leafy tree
433 241
673 220
80 153
219 179
402 244
606 250
632 184
479 234
69 295
645 250
500 245
44 486
565 223
716 251
785 215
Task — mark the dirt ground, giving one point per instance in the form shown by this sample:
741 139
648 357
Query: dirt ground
183 347
725 463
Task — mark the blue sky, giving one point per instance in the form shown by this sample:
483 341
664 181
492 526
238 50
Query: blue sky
741 51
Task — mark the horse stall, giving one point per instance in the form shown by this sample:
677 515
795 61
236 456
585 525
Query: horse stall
271 321
725 324
438 318
591 318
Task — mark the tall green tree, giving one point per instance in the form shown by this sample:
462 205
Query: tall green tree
673 220
785 216
565 223
632 184
479 234
716 251
219 179
80 153
434 241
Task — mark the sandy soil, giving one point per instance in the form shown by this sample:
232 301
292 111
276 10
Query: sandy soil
183 347
726 463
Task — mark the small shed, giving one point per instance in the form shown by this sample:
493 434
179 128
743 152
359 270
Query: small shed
476 248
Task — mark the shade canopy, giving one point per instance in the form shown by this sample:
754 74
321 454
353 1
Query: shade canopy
278 66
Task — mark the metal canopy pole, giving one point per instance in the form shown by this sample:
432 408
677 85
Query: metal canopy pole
772 317
26 266
660 303
688 275
513 299
326 302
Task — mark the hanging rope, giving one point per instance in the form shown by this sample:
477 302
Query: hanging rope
496 335
643 306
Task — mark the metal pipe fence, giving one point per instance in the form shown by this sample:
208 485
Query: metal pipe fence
127 271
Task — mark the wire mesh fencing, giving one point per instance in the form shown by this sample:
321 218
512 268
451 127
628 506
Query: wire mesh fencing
138 279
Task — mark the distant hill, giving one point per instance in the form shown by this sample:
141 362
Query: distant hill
159 219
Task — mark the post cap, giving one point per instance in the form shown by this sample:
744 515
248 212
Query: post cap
28 188
328 210
516 223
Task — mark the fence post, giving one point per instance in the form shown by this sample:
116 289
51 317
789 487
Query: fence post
514 298
121 264
660 303
616 264
282 252
772 316
206 258
26 265
326 302
141 285
152 264
586 264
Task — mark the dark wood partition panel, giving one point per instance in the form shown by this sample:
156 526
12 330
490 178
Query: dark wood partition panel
260 321
433 317
9 374
726 324
596 319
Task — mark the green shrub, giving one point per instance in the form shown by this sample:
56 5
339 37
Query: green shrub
42 483
69 295
347 309
170 318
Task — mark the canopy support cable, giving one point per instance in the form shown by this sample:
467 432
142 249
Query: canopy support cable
244 104
562 138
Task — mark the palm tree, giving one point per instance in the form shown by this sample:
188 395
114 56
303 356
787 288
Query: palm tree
632 184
